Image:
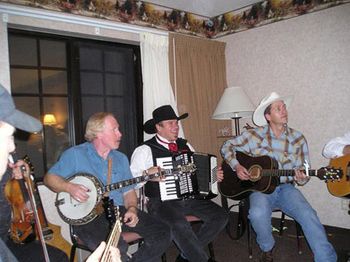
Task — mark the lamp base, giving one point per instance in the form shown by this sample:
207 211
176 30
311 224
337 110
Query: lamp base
237 130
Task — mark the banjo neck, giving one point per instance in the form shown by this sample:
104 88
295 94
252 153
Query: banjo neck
124 183
145 177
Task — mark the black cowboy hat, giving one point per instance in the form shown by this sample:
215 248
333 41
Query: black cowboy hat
159 114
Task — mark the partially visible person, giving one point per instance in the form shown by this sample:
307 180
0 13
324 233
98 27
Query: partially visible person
288 147
103 139
337 147
165 144
11 118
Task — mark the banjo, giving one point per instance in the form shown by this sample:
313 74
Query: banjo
74 212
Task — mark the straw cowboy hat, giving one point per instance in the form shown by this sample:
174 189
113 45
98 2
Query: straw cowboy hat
160 114
258 116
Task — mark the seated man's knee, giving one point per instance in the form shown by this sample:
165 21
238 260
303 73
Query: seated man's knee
221 218
258 213
180 225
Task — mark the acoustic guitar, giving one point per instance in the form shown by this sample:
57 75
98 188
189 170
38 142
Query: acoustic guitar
264 176
341 189
112 213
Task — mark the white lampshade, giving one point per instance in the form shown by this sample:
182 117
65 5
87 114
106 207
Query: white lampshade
49 120
234 103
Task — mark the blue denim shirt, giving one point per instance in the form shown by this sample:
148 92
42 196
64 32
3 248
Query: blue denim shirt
85 159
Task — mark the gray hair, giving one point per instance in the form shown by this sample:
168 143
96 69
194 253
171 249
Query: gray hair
95 124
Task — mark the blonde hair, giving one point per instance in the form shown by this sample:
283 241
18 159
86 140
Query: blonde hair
95 124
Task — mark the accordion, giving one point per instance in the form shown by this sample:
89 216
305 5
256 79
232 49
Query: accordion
200 184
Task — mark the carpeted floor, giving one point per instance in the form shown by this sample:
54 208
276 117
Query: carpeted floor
227 250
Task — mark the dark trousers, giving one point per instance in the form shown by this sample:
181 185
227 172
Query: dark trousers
33 251
190 243
155 234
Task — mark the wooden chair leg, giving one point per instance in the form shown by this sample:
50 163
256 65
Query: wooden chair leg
211 250
283 216
249 233
72 253
163 257
299 236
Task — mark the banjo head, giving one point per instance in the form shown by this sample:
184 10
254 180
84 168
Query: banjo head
74 212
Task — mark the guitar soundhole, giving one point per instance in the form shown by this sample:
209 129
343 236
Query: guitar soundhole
255 173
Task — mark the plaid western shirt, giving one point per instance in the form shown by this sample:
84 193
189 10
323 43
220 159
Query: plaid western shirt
290 150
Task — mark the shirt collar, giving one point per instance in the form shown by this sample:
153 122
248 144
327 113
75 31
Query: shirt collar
163 141
269 130
92 151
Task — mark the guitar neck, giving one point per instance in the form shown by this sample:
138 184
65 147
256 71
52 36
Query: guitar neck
112 242
284 172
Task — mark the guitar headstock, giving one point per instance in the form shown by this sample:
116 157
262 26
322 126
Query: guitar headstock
111 211
329 174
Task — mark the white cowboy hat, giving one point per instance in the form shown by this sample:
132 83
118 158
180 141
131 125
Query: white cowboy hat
258 116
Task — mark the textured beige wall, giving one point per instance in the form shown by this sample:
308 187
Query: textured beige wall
309 57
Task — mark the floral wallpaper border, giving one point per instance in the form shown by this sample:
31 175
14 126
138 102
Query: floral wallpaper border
150 15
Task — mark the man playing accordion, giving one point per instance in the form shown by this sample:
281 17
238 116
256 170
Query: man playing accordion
166 144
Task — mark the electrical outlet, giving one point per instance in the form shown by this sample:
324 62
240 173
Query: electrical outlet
5 18
345 204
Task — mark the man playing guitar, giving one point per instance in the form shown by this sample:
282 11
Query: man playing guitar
289 148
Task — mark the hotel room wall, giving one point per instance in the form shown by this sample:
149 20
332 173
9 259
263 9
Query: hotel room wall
308 57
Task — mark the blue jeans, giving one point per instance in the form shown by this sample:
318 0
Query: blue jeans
291 201
190 243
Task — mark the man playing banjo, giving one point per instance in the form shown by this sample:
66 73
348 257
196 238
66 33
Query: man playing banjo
99 157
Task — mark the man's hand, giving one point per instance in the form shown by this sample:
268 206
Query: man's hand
300 177
17 172
242 172
130 218
219 174
78 192
154 170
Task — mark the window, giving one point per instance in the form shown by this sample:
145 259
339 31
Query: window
62 81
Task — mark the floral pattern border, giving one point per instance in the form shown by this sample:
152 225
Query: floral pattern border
150 15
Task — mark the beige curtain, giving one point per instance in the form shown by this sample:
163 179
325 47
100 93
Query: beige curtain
198 77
